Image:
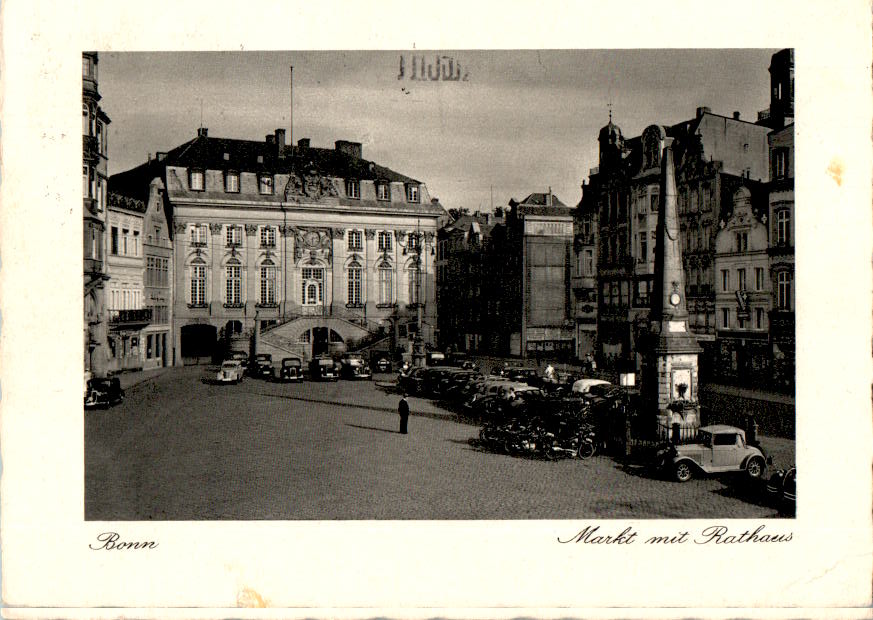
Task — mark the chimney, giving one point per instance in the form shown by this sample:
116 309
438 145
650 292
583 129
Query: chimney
160 156
271 140
280 143
202 132
353 149
736 116
703 110
303 144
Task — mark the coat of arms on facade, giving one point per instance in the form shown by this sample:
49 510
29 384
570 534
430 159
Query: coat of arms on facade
313 242
309 185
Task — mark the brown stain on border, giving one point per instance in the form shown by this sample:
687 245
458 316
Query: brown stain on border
250 598
836 169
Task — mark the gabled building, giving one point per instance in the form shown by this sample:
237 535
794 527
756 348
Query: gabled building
466 303
310 250
583 280
125 294
743 296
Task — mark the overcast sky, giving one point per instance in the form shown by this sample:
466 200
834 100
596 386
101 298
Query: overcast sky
521 121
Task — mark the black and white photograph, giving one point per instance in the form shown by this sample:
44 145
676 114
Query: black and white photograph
573 319
444 311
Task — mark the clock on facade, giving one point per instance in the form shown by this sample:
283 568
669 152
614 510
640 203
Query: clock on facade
674 299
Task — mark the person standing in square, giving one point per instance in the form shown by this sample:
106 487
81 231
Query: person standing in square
403 410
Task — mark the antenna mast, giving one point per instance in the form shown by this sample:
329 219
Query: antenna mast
291 128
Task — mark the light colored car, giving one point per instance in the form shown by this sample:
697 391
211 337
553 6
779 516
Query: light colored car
231 371
582 386
719 448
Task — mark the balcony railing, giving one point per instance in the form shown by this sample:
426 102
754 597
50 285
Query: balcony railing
118 317
196 243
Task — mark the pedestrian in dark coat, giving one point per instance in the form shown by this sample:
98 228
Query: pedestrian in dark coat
403 410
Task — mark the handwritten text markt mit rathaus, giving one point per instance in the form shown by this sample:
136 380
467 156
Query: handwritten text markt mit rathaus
714 534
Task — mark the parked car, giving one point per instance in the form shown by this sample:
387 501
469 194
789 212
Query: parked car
525 375
583 386
240 356
323 368
291 370
263 366
782 489
354 366
719 448
103 392
231 371
411 380
383 364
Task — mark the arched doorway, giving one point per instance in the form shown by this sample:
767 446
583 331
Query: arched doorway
198 343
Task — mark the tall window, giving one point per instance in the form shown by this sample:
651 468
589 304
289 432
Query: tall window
85 119
198 283
759 318
195 180
741 279
644 247
311 287
113 240
783 290
265 184
783 227
588 264
354 277
383 191
780 163
268 283
726 318
231 182
759 278
268 237
414 284
654 202
725 280
355 241
233 235
386 288
353 188
233 282
412 194
742 242
412 241
198 235
384 241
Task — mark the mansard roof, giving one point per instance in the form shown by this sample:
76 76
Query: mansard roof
251 156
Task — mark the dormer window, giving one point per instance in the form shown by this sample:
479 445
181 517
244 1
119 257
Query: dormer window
412 193
195 180
353 188
231 182
265 184
383 191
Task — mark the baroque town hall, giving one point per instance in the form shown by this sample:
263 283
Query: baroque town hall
310 249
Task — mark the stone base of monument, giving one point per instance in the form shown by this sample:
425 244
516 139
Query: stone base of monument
679 422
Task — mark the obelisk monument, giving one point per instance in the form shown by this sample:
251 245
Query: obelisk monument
670 385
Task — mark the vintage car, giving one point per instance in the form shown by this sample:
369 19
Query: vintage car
262 366
291 370
782 489
719 448
383 364
354 366
103 392
323 368
411 379
240 356
583 386
231 371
